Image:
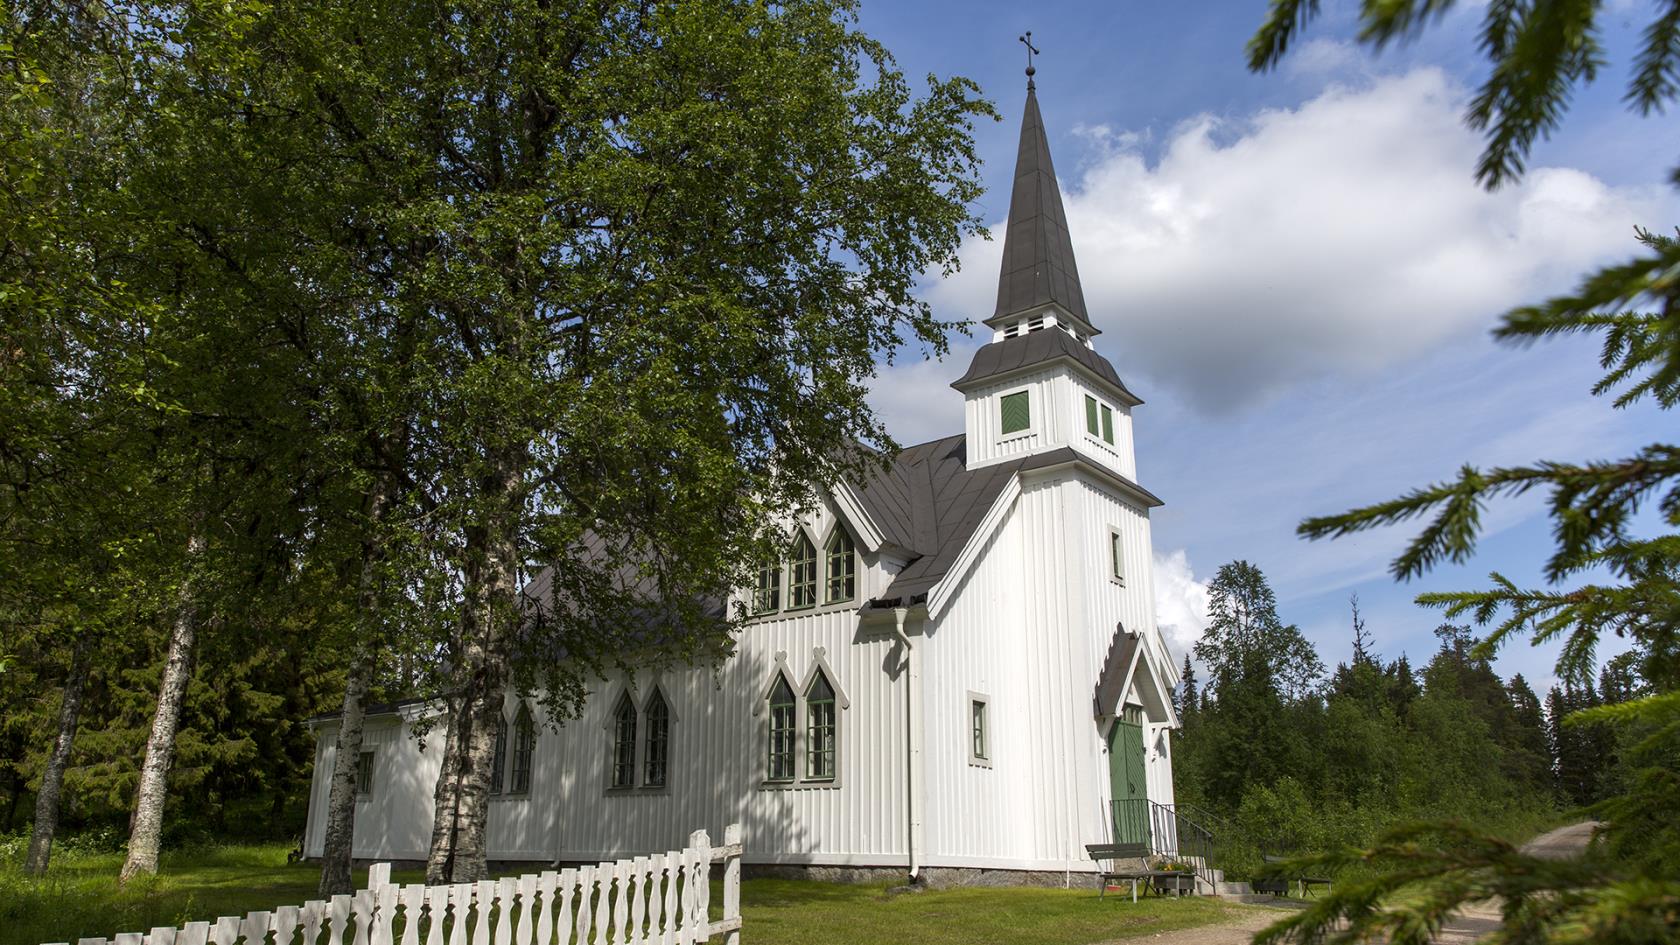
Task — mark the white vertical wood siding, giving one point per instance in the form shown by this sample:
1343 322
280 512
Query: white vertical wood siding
1029 627
396 821
717 759
1046 402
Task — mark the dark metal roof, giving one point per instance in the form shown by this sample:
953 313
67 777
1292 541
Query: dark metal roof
1037 347
931 503
1038 264
370 710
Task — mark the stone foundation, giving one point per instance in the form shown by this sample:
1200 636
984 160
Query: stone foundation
932 877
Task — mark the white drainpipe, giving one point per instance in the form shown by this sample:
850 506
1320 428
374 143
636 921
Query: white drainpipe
913 740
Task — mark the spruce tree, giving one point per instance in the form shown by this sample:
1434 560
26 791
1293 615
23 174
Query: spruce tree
1184 697
1604 576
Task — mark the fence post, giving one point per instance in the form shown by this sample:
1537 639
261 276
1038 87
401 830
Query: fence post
379 876
732 884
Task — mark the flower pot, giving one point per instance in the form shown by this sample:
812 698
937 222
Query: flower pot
1178 884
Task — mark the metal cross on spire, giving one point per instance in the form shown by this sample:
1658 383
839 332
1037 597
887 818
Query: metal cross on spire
1031 49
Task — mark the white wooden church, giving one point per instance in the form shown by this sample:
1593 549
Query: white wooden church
955 667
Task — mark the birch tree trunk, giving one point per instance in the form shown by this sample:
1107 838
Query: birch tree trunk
446 805
52 780
337 851
495 612
147 828
459 852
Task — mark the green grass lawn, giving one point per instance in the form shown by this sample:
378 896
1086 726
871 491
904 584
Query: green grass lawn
80 898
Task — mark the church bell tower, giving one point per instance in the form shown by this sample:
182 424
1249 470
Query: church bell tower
1040 384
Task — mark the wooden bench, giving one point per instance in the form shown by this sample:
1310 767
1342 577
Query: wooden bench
1279 885
1113 852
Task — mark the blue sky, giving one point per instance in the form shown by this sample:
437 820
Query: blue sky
1298 274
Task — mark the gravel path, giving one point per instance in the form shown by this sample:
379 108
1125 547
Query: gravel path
1237 929
1483 917
1464 929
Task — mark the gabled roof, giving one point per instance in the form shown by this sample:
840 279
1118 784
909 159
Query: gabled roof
1116 672
930 503
1038 266
1034 348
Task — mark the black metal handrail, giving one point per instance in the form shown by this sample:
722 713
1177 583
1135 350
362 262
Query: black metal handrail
1164 831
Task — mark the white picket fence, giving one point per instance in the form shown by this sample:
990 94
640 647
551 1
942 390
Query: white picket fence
663 899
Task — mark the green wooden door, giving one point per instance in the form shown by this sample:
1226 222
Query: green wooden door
1126 784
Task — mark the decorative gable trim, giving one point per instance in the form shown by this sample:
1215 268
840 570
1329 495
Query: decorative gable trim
1118 667
819 663
863 528
940 594
780 671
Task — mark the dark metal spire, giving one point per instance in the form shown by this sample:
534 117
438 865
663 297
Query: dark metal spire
1038 266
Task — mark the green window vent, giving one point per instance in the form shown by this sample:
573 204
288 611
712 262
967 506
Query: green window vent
1016 414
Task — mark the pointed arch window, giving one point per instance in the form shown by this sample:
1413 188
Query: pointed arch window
783 712
524 749
842 566
820 730
802 573
498 765
767 596
655 764
624 743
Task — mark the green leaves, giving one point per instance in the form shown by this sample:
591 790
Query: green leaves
1538 52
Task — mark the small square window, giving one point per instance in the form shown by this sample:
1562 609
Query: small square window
1016 412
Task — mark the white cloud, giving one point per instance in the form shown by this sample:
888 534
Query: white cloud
1322 57
1181 602
916 400
1335 238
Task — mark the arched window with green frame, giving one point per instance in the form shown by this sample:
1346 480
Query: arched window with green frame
802 573
841 555
524 748
624 743
820 730
783 718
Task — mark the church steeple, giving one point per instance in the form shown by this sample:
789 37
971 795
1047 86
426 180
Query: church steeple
1039 274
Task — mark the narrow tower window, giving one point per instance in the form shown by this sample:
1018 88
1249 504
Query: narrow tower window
977 724
658 741
782 711
802 574
1116 556
624 743
1091 415
842 567
819 740
1108 425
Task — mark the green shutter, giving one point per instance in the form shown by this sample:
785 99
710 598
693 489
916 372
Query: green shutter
1016 414
1091 415
1108 425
